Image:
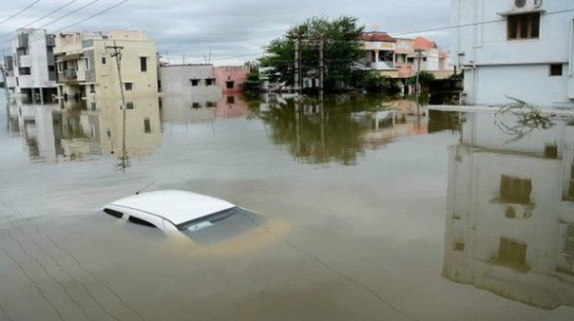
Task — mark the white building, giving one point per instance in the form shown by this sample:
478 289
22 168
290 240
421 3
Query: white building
517 48
510 211
194 80
33 65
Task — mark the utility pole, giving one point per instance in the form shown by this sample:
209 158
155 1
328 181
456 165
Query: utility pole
183 59
417 83
321 67
118 55
297 66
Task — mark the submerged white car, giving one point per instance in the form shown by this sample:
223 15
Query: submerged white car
172 210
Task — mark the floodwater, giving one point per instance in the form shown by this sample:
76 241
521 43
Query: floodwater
357 212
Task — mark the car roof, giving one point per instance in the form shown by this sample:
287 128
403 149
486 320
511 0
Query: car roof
175 206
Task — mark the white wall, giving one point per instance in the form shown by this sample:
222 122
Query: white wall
176 80
530 83
485 45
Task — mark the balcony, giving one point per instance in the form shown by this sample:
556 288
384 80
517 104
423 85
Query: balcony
382 65
25 62
68 75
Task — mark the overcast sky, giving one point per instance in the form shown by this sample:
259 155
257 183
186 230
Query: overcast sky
234 31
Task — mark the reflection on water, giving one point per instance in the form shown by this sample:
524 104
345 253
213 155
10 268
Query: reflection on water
338 130
74 131
510 211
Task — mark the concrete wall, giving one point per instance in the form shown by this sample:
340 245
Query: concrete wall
176 80
514 67
235 74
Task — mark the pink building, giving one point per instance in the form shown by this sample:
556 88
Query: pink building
231 78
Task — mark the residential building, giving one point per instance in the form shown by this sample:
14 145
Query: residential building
380 50
33 65
231 78
7 69
510 210
399 58
195 80
87 68
515 48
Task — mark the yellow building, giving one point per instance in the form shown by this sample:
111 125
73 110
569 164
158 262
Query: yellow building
87 68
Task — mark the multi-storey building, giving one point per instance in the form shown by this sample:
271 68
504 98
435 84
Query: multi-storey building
517 48
399 58
87 67
510 210
32 65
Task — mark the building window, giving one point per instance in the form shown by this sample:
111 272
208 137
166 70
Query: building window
128 86
210 104
511 251
92 88
230 100
194 82
147 125
143 64
556 70
230 84
459 247
195 105
104 60
524 26
209 81
566 249
87 63
515 190
129 105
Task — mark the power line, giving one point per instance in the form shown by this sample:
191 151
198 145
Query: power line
59 18
81 21
471 24
19 12
41 18
92 16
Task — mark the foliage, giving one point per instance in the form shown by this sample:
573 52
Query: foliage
375 83
342 51
253 82
425 78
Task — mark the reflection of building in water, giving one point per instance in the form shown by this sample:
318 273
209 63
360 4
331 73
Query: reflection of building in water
202 108
143 126
401 120
510 215
232 106
50 133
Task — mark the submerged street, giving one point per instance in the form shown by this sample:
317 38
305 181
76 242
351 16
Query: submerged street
362 210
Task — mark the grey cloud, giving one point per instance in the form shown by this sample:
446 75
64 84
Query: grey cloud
233 28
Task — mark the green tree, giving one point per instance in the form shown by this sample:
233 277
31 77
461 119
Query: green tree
342 52
375 83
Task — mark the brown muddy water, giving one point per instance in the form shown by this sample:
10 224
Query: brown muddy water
358 213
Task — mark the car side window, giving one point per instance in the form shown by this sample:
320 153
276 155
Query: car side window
139 221
113 213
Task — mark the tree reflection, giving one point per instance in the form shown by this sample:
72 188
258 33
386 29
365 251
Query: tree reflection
319 133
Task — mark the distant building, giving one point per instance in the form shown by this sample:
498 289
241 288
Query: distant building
8 74
87 70
510 211
33 67
398 58
231 78
194 80
516 48
380 50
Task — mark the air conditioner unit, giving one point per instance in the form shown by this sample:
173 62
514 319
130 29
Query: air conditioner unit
527 5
